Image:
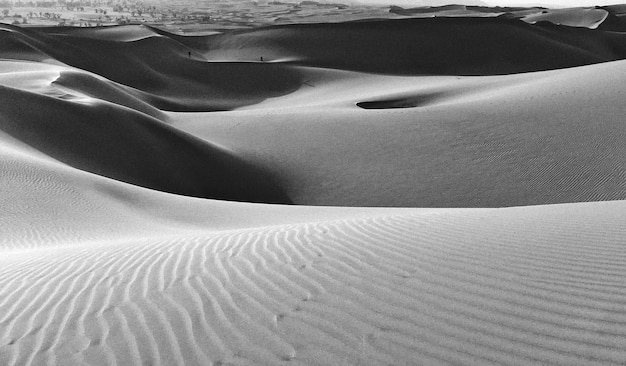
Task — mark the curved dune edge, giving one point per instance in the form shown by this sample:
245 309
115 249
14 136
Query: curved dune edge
513 286
127 275
156 69
590 18
98 126
491 141
419 46
97 271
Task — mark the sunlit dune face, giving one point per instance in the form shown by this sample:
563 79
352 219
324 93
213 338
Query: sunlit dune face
43 82
445 187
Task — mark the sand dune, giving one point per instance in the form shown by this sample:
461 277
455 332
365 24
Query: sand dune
116 280
35 186
118 142
376 286
122 33
466 46
536 138
158 68
123 152
575 17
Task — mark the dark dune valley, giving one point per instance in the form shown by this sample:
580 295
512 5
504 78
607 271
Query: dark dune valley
430 185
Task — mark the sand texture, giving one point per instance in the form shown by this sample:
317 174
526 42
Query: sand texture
176 200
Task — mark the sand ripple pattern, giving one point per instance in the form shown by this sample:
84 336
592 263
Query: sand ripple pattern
459 287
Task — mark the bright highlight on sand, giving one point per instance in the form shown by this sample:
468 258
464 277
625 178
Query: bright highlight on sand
442 187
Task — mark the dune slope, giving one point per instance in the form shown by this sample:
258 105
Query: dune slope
122 151
120 281
536 138
119 142
575 17
448 46
159 69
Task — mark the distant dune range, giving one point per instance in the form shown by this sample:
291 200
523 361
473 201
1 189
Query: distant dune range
122 151
438 46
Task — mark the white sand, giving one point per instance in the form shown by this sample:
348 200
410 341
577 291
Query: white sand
575 17
535 138
125 275
121 243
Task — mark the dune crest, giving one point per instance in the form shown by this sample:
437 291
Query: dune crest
123 143
437 46
148 178
393 287
512 140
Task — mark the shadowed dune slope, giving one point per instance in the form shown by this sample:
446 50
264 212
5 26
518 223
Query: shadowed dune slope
158 63
512 140
15 45
97 88
460 46
159 67
587 17
311 135
128 276
616 19
425 9
120 243
118 142
47 203
121 33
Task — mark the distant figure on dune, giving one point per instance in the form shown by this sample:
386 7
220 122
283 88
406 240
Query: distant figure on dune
261 58
189 54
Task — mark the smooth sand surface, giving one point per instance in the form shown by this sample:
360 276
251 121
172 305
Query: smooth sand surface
527 139
575 17
432 46
147 199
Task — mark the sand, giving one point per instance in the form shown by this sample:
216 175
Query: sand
527 139
167 200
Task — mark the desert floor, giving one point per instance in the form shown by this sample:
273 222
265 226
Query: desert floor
425 191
